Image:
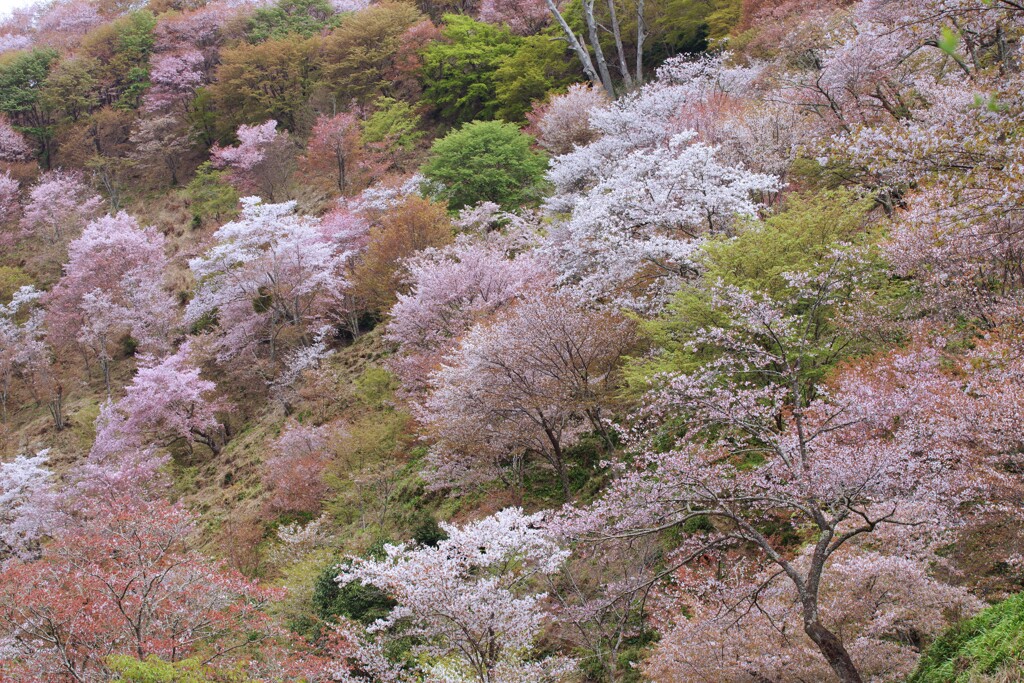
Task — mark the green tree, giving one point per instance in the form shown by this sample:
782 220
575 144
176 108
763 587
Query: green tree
122 49
71 87
210 194
486 161
290 17
540 65
393 124
459 72
22 75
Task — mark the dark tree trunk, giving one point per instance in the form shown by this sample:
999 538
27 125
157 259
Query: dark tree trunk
834 652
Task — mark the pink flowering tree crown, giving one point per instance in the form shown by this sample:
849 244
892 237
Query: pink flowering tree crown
752 438
59 204
468 600
167 401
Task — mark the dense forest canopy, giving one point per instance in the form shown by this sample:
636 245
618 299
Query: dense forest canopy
511 341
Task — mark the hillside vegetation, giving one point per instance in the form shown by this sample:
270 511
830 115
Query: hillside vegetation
511 341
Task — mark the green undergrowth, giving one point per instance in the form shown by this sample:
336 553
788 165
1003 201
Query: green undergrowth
988 648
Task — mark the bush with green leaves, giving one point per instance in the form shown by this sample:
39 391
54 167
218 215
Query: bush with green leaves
210 195
290 17
459 70
486 161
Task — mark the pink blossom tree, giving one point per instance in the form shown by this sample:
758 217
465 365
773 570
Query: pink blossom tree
24 481
563 122
59 203
262 161
295 470
528 383
271 271
886 453
453 288
112 285
166 402
743 628
23 350
335 147
124 581
467 600
13 146
175 77
8 198
523 17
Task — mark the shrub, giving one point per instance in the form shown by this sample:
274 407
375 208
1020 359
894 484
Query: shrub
486 161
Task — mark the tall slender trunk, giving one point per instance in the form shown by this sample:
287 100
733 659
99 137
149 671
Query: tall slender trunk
582 53
595 44
641 36
619 50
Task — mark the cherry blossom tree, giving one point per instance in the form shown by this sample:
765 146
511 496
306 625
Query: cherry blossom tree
270 271
335 147
59 203
886 452
294 472
23 481
528 383
124 582
262 161
166 402
24 353
14 41
643 221
453 288
175 77
13 146
563 122
467 601
8 198
883 605
523 18
112 285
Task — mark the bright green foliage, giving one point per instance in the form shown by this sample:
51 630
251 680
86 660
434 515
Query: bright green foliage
393 123
21 77
127 69
155 670
539 66
794 240
989 645
210 195
797 239
290 17
459 72
486 161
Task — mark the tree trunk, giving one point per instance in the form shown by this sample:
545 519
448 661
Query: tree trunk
834 652
620 51
581 51
595 44
641 36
